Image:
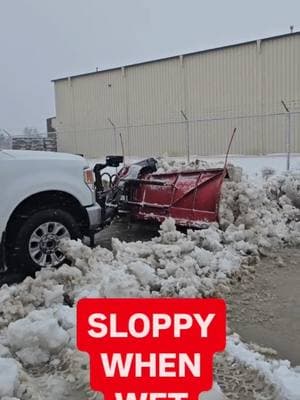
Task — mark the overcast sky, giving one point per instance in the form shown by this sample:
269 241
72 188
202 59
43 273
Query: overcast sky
45 39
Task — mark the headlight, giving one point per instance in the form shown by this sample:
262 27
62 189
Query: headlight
88 177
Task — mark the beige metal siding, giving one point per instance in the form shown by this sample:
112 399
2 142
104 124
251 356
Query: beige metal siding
154 96
222 83
217 90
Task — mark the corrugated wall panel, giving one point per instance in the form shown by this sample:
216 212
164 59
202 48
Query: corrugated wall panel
154 96
223 83
145 103
154 92
65 118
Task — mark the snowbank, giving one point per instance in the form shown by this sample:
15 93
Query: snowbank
37 336
276 371
9 377
256 215
165 164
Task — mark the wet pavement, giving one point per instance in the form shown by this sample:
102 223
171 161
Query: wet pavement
264 308
127 231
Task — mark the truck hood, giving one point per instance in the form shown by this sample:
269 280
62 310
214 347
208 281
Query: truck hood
42 155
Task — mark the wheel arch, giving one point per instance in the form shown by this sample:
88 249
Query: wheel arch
44 200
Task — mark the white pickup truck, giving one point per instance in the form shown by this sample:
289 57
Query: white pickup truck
44 197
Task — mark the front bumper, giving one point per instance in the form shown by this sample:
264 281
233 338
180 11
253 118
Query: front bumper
94 217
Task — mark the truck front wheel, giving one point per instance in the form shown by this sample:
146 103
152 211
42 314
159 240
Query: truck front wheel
37 239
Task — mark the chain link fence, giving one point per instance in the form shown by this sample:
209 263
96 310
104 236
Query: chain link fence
257 134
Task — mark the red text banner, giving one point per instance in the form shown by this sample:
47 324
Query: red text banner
151 349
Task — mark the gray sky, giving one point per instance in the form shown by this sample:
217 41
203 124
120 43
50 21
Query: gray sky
45 39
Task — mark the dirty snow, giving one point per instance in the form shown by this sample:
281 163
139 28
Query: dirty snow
276 371
10 379
37 337
214 394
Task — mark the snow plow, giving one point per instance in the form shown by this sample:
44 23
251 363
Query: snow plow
139 190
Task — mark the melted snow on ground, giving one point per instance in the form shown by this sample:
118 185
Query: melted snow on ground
38 358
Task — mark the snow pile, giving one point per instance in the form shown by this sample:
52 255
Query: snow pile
37 319
43 340
10 379
255 216
260 217
172 264
39 328
165 164
29 337
287 184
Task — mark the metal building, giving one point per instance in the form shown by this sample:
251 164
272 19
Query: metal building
239 85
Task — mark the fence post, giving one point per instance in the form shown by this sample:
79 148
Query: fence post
115 133
187 136
288 137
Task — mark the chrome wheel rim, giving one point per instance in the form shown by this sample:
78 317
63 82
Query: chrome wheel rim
44 244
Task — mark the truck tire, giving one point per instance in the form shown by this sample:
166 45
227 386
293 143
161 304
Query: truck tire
37 237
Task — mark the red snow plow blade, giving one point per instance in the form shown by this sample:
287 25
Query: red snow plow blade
191 198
